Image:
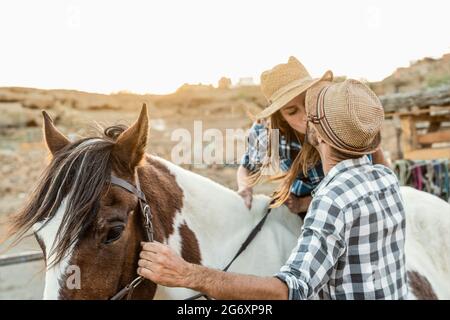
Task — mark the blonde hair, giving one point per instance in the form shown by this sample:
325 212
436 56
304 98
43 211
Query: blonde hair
307 158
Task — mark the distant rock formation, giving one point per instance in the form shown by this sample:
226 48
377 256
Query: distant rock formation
224 83
187 87
421 74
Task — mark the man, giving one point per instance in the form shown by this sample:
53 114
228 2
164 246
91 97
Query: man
352 242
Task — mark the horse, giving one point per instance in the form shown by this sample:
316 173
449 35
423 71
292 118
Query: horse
84 222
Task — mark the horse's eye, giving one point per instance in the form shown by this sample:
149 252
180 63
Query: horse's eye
114 234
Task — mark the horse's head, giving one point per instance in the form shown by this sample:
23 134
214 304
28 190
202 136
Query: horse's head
89 229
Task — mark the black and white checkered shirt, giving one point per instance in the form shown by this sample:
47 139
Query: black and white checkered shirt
352 242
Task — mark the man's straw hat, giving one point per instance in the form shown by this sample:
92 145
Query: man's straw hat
284 82
347 115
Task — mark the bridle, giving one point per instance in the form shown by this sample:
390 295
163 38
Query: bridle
148 226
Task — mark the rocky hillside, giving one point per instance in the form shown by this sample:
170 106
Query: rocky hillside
421 74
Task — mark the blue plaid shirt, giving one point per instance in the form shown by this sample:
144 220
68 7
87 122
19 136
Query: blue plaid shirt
256 151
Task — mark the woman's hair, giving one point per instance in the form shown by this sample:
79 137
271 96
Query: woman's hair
305 159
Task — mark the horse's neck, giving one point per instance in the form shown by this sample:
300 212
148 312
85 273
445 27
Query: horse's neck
216 215
220 223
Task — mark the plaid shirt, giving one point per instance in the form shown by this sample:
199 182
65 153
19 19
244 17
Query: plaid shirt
352 242
256 152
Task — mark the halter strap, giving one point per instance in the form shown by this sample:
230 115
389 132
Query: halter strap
148 226
129 187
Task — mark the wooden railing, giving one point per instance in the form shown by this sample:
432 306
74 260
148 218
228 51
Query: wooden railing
430 107
28 256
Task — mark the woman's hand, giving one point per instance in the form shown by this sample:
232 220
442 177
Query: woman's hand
247 194
298 204
244 190
378 158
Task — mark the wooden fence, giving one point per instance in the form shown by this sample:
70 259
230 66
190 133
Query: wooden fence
28 256
424 122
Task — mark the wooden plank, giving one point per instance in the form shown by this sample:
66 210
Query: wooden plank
428 154
28 256
434 126
438 96
439 118
409 134
438 136
419 112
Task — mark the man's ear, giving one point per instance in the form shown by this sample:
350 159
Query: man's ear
130 145
54 139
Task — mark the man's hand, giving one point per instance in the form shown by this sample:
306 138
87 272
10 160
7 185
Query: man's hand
162 265
247 194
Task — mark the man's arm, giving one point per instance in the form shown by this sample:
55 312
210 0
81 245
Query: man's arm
224 285
162 265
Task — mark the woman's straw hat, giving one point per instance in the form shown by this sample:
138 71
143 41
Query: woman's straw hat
347 115
284 82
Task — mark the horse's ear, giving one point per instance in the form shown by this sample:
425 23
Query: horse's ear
130 145
54 139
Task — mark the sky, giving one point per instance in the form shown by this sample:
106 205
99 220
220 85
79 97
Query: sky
156 46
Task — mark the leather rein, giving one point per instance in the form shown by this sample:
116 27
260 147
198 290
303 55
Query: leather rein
149 232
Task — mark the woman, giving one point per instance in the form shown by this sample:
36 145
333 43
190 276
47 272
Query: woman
285 87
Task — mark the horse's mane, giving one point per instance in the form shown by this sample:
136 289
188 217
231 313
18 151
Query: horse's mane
80 173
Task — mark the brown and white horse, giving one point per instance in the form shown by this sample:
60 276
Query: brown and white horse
80 220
